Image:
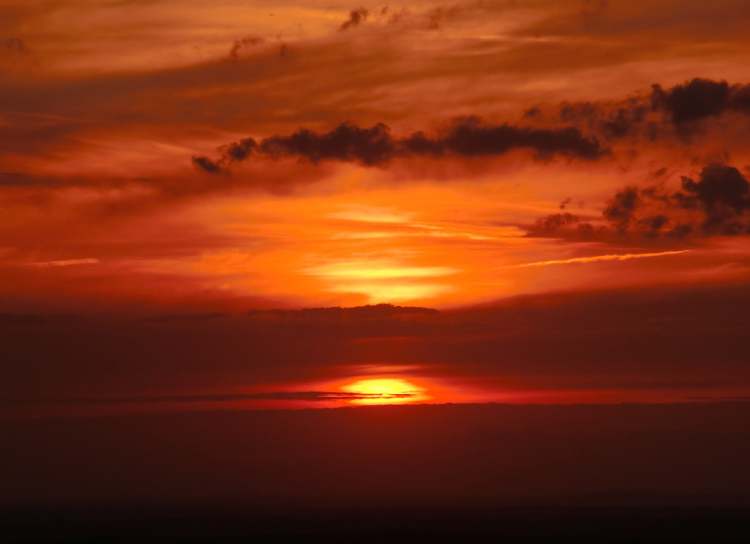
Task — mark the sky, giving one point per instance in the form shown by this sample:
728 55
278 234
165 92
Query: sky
243 203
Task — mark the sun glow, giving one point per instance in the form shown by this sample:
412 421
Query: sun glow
385 280
384 391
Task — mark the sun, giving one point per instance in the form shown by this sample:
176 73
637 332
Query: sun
384 391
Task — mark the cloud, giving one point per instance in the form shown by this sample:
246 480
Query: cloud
602 258
722 192
347 142
701 98
206 165
239 46
651 116
66 262
365 313
308 396
15 46
715 204
356 18
611 121
371 146
658 116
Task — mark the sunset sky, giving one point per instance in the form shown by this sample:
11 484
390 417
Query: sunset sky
540 201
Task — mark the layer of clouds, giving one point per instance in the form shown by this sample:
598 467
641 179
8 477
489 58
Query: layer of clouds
307 396
391 77
666 337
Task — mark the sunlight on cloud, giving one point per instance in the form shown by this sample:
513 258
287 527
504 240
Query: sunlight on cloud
366 214
603 258
66 262
386 292
382 281
385 391
384 270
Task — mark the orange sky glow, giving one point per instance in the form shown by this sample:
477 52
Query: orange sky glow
220 188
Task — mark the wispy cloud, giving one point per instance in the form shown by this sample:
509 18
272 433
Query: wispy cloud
66 262
378 270
311 396
602 258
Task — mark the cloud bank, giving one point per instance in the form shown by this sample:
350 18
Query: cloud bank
716 204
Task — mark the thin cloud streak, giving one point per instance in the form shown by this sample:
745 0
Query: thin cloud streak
310 396
66 262
603 258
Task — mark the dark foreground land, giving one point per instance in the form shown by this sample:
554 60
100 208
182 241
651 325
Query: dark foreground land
628 473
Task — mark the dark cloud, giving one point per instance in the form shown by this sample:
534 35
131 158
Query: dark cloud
719 186
14 46
611 121
308 396
346 142
356 18
242 44
471 137
236 151
620 123
206 165
553 224
532 112
370 146
655 115
694 100
701 98
715 204
622 206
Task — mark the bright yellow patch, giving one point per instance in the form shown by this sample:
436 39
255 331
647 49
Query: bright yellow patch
384 391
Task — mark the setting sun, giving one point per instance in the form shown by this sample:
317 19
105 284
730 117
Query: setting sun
384 391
